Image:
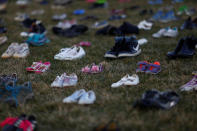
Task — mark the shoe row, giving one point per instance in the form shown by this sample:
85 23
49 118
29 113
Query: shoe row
39 67
72 53
166 32
81 97
124 47
65 81
17 51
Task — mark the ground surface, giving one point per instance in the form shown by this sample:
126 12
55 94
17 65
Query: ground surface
111 104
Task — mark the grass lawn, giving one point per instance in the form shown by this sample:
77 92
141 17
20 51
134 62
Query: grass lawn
111 104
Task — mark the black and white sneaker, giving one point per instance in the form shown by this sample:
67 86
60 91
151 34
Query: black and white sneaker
113 53
130 47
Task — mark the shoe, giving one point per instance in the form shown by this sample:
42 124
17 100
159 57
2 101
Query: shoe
84 43
185 48
10 51
169 16
70 80
113 53
127 28
99 25
21 17
62 53
89 17
22 52
34 66
145 25
3 39
43 68
154 68
74 97
189 24
142 66
108 30
129 47
58 82
157 16
87 98
79 12
142 41
22 2
160 32
37 12
154 2
191 85
66 24
4 79
93 69
3 30
126 81
59 17
171 32
37 39
117 17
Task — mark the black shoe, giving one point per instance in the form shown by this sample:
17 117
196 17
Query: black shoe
108 30
113 53
185 48
28 22
130 47
127 28
189 24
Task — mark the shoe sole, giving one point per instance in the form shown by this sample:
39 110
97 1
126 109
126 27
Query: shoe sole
129 55
110 56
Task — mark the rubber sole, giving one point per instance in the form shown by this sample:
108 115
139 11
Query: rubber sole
129 55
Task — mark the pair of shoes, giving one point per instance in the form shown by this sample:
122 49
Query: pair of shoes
73 31
145 25
191 85
37 39
65 80
150 68
58 17
126 81
17 51
66 24
185 48
156 99
75 52
98 25
166 32
16 94
81 97
3 39
84 43
39 67
22 123
92 69
124 47
189 24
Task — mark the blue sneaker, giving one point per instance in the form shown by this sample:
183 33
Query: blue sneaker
169 16
15 95
153 2
79 12
37 39
157 15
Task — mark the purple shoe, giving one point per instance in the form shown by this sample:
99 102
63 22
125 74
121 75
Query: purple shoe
142 66
154 68
191 85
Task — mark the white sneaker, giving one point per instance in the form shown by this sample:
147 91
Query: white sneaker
145 25
126 80
74 97
22 51
142 41
171 32
22 2
160 33
58 82
66 24
70 80
63 52
87 98
10 51
3 39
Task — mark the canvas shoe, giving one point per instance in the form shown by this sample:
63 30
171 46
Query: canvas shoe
10 51
70 80
160 32
58 82
62 53
171 32
22 51
127 81
130 47
87 98
191 85
3 39
74 97
76 53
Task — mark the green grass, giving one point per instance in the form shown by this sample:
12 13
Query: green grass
111 104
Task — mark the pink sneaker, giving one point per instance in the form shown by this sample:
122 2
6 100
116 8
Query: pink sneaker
44 67
93 69
84 43
34 66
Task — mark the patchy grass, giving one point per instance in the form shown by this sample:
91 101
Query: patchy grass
111 104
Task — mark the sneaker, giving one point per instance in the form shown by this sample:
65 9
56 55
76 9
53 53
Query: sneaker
126 81
3 39
154 68
113 53
160 32
145 25
66 24
58 82
169 16
62 53
59 17
34 66
74 97
70 80
22 52
93 69
21 17
22 2
129 47
171 32
43 68
10 51
87 98
191 85
101 24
